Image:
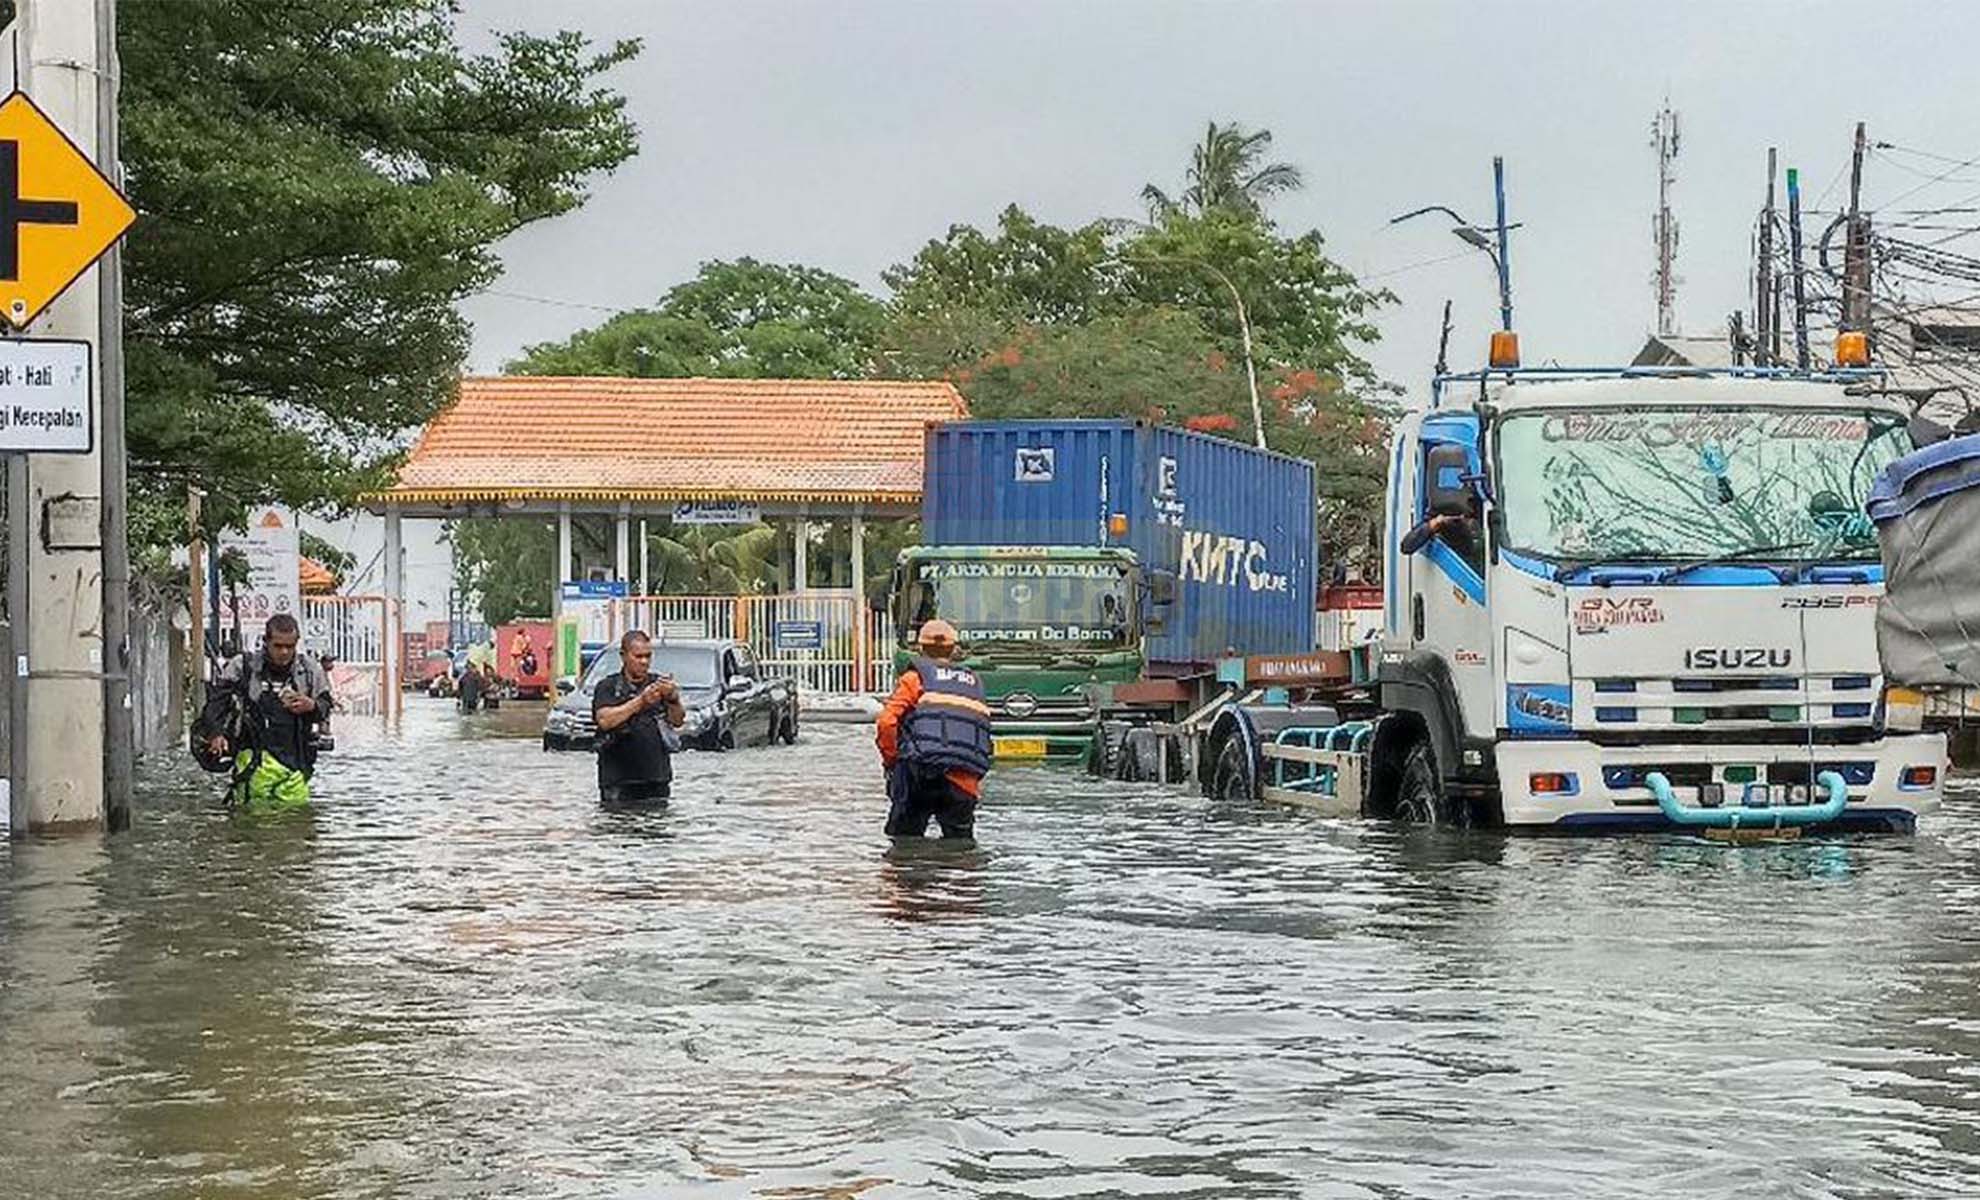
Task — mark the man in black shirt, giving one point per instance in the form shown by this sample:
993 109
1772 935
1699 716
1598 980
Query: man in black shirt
634 751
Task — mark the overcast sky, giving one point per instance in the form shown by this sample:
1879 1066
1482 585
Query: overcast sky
845 135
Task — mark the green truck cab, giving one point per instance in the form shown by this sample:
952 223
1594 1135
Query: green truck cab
1047 628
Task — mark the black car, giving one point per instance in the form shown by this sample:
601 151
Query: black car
729 702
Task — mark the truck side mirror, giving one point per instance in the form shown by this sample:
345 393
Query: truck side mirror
1161 588
1446 481
1926 432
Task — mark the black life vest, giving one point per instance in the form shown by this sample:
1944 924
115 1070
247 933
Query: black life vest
949 727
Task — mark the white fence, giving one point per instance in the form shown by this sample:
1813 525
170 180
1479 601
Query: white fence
807 636
352 630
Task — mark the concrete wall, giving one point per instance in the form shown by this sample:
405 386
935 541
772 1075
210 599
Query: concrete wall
158 674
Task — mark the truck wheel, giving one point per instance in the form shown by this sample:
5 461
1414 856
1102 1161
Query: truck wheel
1230 779
1420 792
1109 742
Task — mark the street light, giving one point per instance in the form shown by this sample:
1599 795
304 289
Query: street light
1244 325
1482 238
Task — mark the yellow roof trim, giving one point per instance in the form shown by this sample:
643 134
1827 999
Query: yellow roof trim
485 495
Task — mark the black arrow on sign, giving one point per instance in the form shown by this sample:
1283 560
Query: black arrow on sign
16 212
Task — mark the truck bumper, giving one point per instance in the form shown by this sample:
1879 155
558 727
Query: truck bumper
1604 786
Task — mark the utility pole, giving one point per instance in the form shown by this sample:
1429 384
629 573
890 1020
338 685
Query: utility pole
1663 227
1765 347
1856 248
1736 333
1794 264
61 666
117 740
1504 262
1444 342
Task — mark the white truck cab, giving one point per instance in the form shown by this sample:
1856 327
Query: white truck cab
1602 584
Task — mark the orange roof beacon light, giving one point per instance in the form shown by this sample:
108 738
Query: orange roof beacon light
1117 525
1505 350
1852 348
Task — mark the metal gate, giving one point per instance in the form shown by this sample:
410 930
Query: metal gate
815 637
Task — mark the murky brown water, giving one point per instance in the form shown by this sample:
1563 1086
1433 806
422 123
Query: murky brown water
459 978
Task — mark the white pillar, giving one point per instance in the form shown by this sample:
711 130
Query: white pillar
395 600
642 558
563 558
58 638
621 568
860 616
801 555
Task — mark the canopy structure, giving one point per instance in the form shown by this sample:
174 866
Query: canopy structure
519 442
517 445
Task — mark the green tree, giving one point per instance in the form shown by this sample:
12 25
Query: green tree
741 319
1226 175
505 564
319 182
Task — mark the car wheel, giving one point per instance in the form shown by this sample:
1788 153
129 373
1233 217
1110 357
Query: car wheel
790 727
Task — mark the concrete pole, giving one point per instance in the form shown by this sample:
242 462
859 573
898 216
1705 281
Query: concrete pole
801 555
563 558
642 558
63 743
621 565
395 600
859 647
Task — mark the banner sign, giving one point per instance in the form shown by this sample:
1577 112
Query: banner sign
274 584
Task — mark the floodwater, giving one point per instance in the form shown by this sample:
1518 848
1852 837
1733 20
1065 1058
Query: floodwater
460 978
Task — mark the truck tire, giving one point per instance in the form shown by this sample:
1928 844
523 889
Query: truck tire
1420 798
1230 779
1109 743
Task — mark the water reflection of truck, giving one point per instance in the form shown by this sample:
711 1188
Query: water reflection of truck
1105 567
1622 598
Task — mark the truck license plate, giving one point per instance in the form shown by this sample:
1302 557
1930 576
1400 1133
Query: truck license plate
1013 747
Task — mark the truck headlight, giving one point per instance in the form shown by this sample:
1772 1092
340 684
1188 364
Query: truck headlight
1904 710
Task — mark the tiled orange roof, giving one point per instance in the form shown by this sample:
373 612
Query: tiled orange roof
553 438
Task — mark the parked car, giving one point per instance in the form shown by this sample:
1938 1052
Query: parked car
729 701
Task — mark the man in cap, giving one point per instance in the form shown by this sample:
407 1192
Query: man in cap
934 738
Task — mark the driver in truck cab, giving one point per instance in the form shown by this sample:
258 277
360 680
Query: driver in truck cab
934 739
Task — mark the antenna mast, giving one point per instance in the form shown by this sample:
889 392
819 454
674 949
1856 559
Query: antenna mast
1664 138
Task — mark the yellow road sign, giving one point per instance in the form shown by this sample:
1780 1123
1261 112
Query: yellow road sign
58 213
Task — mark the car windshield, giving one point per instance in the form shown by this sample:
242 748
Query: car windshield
691 666
1025 600
1687 483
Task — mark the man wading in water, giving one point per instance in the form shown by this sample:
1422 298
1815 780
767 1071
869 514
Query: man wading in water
635 750
282 697
934 738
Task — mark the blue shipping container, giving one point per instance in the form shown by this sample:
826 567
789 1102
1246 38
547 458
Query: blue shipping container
1234 523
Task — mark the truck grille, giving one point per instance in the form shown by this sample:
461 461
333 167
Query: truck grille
1035 711
1737 702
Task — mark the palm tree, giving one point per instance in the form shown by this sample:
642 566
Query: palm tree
1225 175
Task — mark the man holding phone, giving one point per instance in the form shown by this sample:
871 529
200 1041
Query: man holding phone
635 746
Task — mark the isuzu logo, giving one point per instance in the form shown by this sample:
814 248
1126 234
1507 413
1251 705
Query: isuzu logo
1734 658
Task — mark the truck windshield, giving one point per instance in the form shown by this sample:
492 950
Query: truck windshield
1025 601
1684 483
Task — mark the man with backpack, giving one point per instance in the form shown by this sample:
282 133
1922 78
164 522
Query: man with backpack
263 714
934 739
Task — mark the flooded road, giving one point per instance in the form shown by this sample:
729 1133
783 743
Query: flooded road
460 978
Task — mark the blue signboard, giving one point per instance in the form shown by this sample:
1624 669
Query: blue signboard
595 589
799 635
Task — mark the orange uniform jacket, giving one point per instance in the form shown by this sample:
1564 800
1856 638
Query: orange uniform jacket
907 694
